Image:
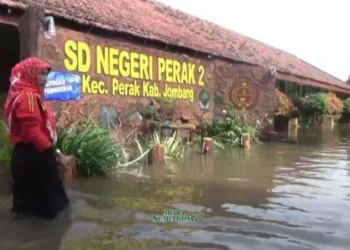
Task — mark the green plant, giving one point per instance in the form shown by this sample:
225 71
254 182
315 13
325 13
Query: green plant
5 144
173 146
95 149
166 100
316 103
335 105
284 104
346 104
2 105
230 130
324 103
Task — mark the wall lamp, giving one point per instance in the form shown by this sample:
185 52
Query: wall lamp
50 28
273 71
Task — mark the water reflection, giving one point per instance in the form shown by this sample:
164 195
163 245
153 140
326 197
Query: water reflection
32 234
274 196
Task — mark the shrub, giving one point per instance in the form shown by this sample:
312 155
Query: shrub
316 103
324 103
5 145
284 104
229 131
2 105
335 105
346 104
173 146
92 145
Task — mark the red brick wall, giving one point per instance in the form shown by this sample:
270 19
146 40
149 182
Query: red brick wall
53 51
246 87
219 75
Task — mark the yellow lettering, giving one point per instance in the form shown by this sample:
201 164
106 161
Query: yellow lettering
144 64
84 57
101 88
93 87
135 89
86 84
71 49
113 62
178 93
176 73
184 73
124 63
201 71
121 89
150 90
127 89
161 67
102 60
169 70
135 64
115 85
150 67
97 87
191 78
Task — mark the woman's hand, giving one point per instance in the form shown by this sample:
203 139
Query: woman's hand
61 160
67 165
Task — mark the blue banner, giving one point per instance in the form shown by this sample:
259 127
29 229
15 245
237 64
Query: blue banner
63 86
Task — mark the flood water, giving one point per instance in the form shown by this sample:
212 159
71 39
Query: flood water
274 196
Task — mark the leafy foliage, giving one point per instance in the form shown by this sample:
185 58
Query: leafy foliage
5 145
284 104
346 104
335 105
173 146
230 130
324 103
2 105
316 103
95 149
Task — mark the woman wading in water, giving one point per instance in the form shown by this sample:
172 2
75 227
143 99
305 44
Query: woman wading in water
37 188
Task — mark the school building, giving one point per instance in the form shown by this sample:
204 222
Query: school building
117 56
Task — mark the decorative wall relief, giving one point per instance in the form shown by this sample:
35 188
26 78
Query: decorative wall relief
109 117
166 130
204 100
135 116
219 96
135 119
244 94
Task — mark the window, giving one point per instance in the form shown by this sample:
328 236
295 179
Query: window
281 85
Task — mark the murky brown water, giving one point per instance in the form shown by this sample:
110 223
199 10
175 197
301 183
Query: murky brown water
274 196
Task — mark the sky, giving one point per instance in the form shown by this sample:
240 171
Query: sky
317 31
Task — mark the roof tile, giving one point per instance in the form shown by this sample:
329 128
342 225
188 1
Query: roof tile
151 19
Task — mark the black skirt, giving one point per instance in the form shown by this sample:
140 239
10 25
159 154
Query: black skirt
37 188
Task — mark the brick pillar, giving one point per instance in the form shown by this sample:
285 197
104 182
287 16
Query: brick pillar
30 26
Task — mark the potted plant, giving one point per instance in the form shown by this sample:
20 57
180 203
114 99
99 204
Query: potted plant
345 118
325 107
286 112
335 107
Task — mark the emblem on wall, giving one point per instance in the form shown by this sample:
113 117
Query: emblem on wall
244 95
204 101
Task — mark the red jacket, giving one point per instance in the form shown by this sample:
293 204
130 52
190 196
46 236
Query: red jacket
28 119
29 123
